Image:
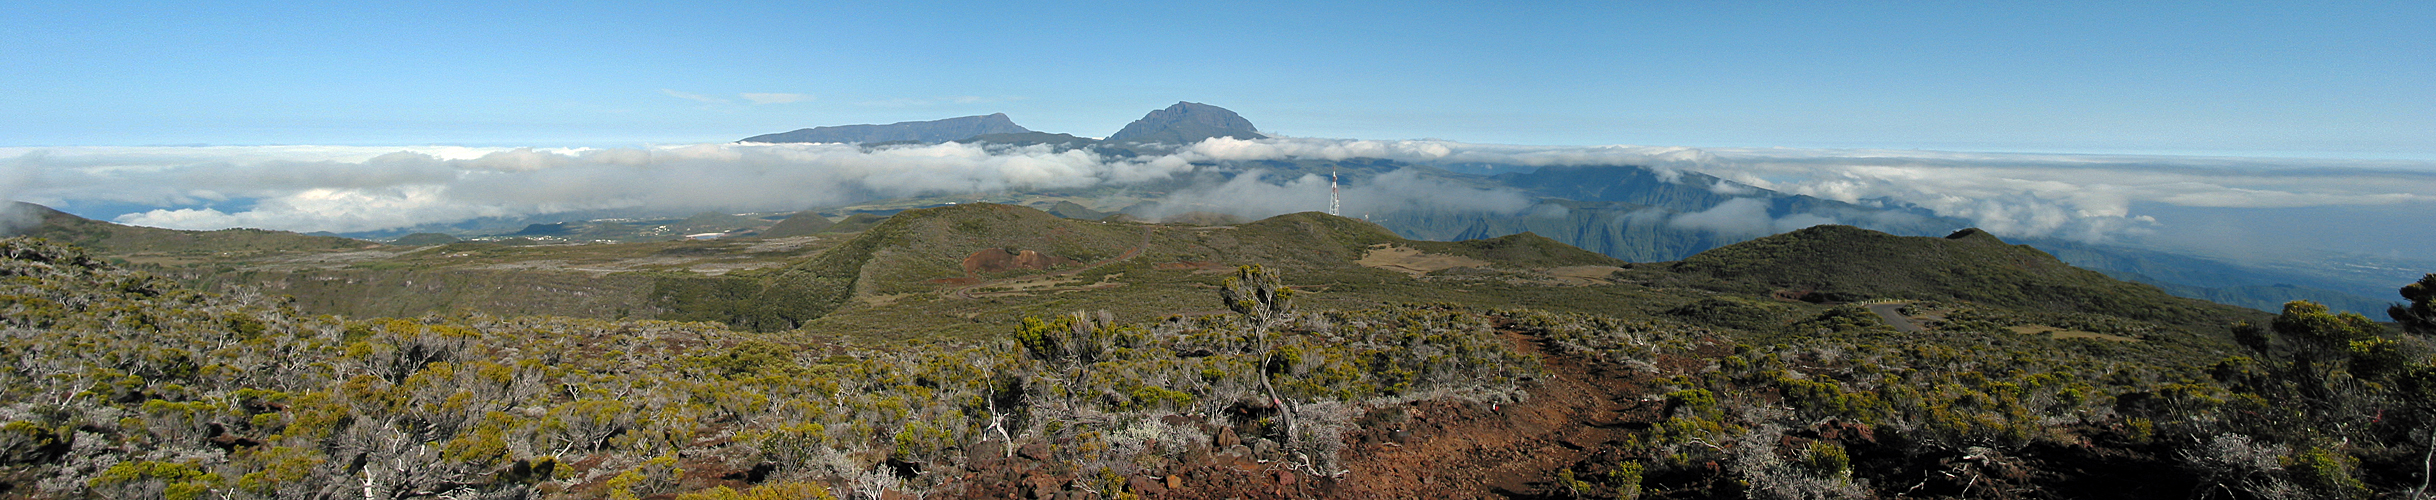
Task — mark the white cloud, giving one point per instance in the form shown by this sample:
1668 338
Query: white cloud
694 97
1744 218
1254 195
342 188
16 175
1667 161
361 189
2084 197
775 98
2089 198
1728 188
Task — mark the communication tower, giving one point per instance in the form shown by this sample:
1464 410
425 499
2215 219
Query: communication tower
1331 191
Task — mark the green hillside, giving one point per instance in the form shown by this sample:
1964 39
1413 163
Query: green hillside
909 272
903 254
146 244
799 224
989 351
855 223
1353 381
1522 249
1624 231
1843 263
1072 210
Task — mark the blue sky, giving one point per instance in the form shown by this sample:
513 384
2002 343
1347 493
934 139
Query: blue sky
2334 80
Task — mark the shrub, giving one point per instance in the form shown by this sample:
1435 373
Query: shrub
1730 312
653 477
1826 459
1626 479
770 491
2328 472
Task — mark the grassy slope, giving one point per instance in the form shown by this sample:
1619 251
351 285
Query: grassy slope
1521 249
140 243
1315 253
1849 263
900 255
588 281
887 280
802 223
2032 404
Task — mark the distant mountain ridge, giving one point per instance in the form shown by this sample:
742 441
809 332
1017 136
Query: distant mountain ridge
1181 124
1187 123
951 129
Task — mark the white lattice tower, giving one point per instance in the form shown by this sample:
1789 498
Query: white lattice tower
1332 192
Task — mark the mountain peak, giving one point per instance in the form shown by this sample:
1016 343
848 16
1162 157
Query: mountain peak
952 129
1187 123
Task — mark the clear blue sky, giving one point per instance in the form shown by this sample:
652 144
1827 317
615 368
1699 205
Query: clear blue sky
2319 79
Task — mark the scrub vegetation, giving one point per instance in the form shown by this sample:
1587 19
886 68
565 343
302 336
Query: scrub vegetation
1255 360
125 385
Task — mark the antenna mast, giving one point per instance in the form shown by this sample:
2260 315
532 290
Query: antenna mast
1332 191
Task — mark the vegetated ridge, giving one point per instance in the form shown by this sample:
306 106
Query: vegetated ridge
1844 263
800 224
121 384
136 242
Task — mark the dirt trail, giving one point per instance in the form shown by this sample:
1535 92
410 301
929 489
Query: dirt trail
965 292
1893 314
1578 415
1459 450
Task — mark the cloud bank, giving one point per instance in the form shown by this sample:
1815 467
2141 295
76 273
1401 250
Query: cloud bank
2090 198
359 189
1744 218
1257 194
330 188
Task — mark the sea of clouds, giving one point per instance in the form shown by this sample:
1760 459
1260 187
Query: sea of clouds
352 188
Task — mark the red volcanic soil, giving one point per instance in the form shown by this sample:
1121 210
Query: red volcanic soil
998 260
1580 415
1184 264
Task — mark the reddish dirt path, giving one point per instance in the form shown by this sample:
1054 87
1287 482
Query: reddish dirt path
1576 416
1473 451
965 292
1452 449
